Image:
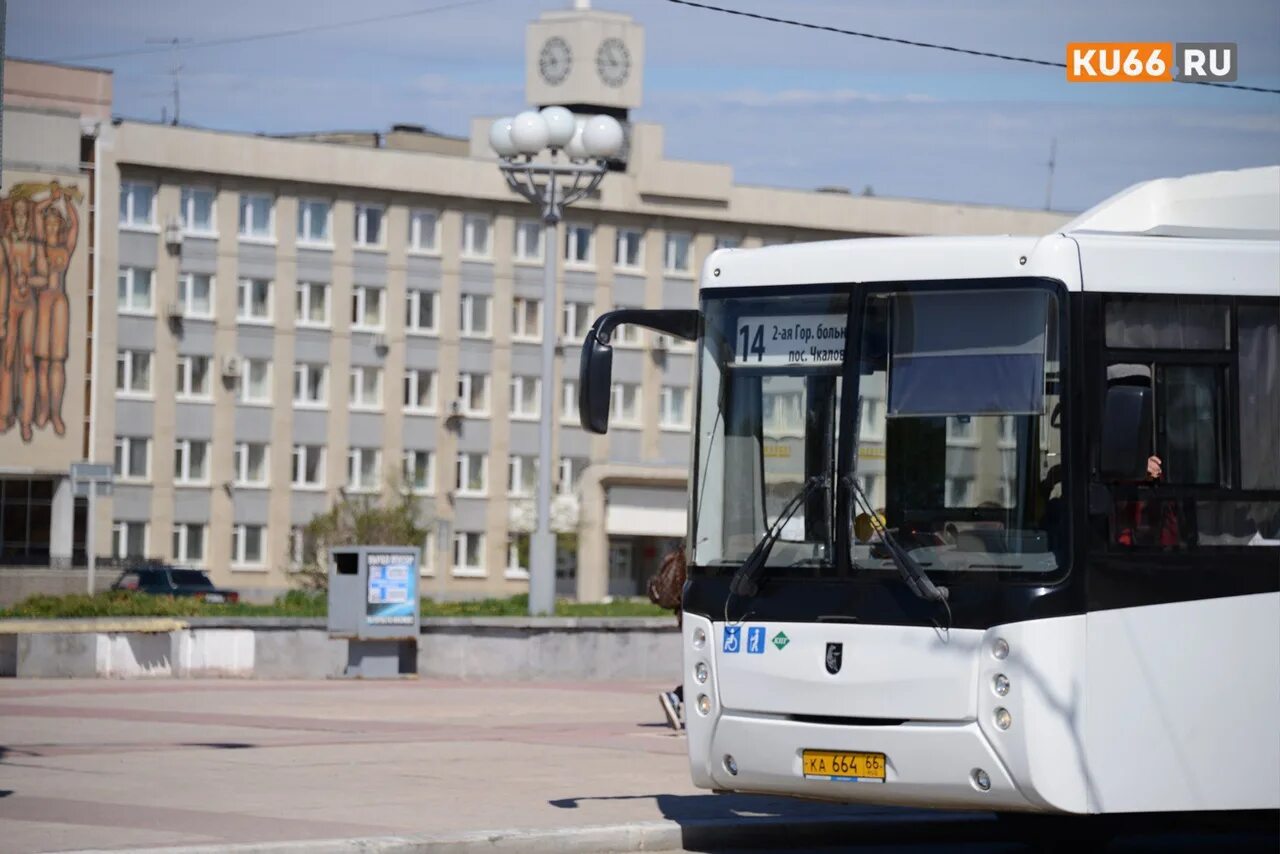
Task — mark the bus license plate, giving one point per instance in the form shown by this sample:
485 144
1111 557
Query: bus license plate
838 765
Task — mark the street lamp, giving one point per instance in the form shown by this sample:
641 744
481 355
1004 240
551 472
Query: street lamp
576 157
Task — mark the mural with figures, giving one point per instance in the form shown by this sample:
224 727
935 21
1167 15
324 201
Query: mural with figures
39 231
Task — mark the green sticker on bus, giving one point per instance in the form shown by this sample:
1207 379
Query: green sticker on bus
780 640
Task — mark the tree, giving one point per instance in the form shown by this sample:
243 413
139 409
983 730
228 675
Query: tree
392 519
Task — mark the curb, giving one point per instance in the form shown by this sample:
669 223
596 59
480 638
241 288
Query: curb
602 839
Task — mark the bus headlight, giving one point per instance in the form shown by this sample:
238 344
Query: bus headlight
704 704
1000 649
1000 684
980 780
700 672
1004 720
699 638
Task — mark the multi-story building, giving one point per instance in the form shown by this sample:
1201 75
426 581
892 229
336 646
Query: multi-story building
299 318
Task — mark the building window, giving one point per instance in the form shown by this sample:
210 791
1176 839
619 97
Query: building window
310 384
195 295
302 546
522 476
473 474
571 469
422 310
197 211
468 553
254 303
191 461
188 543
428 565
474 316
577 320
257 216
629 252
366 387
517 555
675 407
579 244
473 394
193 377
133 458
960 431
134 289
369 225
626 404
366 308
526 393
528 240
420 471
250 464
311 304
569 400
363 465
129 540
419 390
526 319
677 258
723 242
424 231
133 373
475 236
313 221
627 334
308 466
255 381
246 545
137 205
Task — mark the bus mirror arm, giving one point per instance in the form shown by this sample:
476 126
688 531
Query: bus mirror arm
595 369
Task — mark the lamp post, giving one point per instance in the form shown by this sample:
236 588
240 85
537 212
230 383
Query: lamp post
553 159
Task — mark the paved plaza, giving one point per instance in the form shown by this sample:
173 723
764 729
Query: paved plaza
134 764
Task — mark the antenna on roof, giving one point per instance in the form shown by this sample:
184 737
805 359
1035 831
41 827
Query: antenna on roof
175 69
1053 161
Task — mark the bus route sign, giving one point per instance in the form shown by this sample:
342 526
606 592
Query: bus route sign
803 340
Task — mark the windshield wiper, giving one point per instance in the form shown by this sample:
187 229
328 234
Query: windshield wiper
912 572
746 581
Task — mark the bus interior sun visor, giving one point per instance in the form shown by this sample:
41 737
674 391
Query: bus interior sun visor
968 353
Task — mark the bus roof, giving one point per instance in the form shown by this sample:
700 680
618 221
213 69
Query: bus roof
1243 204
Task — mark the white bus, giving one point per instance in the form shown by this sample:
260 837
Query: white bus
990 522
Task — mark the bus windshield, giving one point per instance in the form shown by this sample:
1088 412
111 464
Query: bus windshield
958 429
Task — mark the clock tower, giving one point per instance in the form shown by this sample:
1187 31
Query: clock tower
585 59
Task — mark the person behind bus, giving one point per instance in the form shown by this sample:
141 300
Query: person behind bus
666 590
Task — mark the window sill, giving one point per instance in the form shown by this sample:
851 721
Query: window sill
370 247
246 485
135 312
141 227
679 274
469 572
191 484
422 253
201 235
361 329
256 403
429 413
472 413
526 339
255 321
527 262
627 425
580 266
365 407
423 333
192 398
515 574
307 487
257 239
630 271
135 395
523 416
311 405
482 259
476 336
313 324
469 493
132 481
674 428
325 245
248 567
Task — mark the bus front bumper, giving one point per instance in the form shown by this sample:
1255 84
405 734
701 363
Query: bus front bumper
928 764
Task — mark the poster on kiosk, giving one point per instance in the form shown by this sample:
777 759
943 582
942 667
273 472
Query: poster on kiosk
392 591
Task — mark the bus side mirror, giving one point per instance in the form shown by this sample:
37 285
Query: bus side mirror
595 383
1126 433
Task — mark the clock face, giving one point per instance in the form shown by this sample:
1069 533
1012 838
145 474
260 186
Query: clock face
613 62
554 60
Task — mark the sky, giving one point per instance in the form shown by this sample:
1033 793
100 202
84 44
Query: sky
783 106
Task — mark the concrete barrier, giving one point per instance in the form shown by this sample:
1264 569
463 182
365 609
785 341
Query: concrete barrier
516 648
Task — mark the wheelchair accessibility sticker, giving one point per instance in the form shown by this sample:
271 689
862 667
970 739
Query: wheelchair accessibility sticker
732 638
